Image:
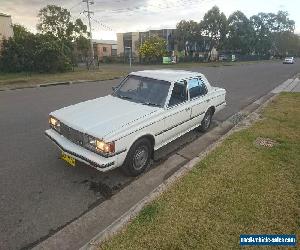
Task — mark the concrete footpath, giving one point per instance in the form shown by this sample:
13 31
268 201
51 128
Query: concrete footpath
290 85
113 214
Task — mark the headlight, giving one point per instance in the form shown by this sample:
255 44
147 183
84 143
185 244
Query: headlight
101 146
54 123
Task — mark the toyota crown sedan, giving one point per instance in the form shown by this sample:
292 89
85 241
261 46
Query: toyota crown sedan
145 112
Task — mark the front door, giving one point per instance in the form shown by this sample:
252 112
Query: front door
178 113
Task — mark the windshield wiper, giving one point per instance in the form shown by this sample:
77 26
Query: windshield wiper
151 104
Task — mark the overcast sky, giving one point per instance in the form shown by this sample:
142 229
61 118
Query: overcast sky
111 16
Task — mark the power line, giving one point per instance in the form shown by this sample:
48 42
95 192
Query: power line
102 24
74 6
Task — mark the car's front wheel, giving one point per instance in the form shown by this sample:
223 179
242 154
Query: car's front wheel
138 157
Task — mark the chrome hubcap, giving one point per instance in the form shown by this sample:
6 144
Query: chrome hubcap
140 157
206 121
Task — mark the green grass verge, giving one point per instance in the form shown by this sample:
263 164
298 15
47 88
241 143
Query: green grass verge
21 79
106 71
239 188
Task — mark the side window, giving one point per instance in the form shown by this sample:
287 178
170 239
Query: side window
179 94
203 88
196 88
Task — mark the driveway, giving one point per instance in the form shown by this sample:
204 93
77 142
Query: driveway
40 194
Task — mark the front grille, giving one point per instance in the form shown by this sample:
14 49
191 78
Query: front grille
72 134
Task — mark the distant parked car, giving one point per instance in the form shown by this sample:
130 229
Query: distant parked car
223 58
146 111
289 60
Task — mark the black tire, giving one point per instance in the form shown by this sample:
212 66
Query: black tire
205 123
138 157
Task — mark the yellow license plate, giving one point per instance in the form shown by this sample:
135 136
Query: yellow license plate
68 159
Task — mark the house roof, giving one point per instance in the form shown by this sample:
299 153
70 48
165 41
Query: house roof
167 75
105 41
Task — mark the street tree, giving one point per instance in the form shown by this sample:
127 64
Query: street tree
240 33
48 56
282 22
153 49
81 49
283 37
17 51
271 30
188 35
262 24
57 22
214 27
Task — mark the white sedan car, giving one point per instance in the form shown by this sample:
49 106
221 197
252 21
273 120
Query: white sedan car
289 60
146 111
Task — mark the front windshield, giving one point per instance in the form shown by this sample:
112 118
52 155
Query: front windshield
144 90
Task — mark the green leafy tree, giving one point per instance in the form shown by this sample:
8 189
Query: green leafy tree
57 22
240 33
271 30
187 33
17 51
153 49
285 43
214 27
48 57
51 50
280 22
20 31
283 38
81 49
262 25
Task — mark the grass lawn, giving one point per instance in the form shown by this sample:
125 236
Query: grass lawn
239 188
19 79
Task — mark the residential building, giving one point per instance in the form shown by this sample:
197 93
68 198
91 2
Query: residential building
130 41
6 30
104 48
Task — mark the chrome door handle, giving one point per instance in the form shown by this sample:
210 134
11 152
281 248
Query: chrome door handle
187 109
207 100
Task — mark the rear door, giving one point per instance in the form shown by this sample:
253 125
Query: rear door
199 100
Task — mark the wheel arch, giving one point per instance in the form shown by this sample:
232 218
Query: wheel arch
148 137
212 108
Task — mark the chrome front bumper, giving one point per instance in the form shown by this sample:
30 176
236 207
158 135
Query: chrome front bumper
81 154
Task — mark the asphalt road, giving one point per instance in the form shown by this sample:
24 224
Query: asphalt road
40 194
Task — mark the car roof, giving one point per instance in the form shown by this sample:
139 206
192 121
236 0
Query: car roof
167 74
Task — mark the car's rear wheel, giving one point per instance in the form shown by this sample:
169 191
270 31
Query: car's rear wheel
205 124
138 157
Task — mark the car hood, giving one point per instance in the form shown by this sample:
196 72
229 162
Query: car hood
102 116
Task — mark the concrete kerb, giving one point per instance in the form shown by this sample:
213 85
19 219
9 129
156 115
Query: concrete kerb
287 86
73 82
250 114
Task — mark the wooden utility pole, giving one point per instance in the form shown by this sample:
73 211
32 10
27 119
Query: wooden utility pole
88 3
